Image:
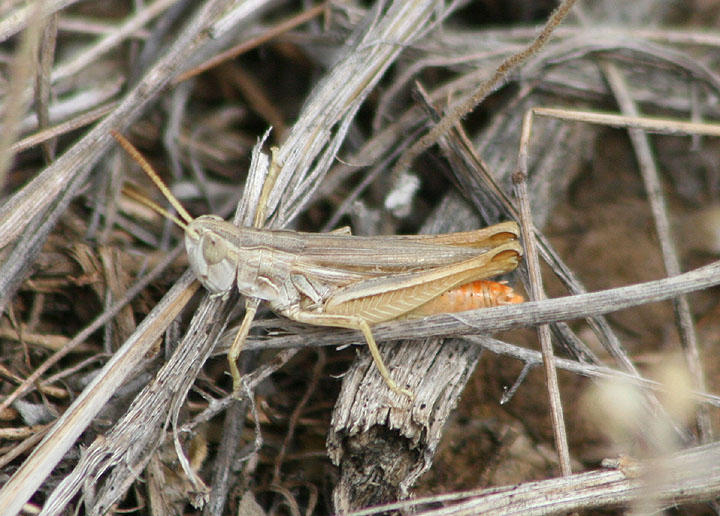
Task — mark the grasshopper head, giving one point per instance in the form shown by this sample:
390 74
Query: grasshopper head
208 251
209 255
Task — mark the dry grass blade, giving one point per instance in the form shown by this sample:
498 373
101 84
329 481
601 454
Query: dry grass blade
537 292
17 99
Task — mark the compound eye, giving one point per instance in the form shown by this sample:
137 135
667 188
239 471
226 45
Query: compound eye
214 249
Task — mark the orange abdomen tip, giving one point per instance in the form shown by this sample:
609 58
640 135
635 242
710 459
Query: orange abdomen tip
471 296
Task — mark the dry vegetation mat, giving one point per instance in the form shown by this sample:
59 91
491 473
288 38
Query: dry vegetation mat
589 124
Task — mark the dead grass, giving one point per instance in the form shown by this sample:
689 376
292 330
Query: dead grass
118 364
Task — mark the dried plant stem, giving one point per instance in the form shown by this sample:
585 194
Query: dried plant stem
20 18
313 141
43 82
74 165
51 132
228 449
156 406
649 124
533 358
537 293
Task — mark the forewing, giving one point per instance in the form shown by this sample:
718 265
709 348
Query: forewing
379 256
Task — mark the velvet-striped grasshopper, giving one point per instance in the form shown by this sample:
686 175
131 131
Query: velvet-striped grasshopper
340 280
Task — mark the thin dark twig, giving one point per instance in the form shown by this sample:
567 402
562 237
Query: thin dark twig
464 107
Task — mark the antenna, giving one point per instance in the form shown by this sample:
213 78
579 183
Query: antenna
130 191
135 154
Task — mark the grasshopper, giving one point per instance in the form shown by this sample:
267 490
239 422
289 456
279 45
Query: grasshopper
340 280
